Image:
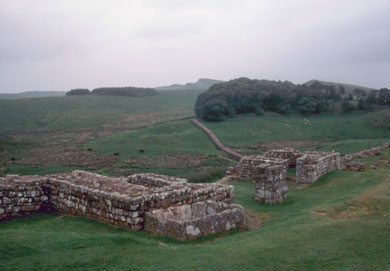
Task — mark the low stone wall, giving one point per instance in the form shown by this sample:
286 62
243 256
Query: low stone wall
189 222
288 153
22 196
154 180
354 166
245 169
270 184
310 167
114 201
365 153
214 139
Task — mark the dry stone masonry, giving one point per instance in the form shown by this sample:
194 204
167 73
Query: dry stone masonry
188 222
270 171
115 201
245 169
310 166
270 183
365 153
269 174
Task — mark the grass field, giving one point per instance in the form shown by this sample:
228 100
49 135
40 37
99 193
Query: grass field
179 137
81 112
339 223
345 133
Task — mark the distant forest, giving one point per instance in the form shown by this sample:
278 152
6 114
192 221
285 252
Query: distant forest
114 91
243 96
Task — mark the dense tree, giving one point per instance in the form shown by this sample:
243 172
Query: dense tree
243 95
78 91
384 96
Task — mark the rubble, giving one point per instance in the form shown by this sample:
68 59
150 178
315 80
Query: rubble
355 166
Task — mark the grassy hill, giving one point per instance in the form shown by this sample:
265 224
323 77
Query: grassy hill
32 94
348 88
80 112
345 133
201 84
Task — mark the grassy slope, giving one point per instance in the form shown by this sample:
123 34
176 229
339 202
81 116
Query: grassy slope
292 237
345 133
348 88
32 94
179 137
77 112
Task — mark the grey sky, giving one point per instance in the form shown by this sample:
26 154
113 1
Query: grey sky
59 45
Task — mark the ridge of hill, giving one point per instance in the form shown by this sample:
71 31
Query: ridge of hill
31 94
201 84
348 87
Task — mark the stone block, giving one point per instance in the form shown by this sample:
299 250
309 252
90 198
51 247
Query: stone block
205 218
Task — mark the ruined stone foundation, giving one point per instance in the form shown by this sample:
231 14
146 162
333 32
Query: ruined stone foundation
115 201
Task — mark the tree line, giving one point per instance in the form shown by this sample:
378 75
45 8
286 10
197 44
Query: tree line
114 91
243 96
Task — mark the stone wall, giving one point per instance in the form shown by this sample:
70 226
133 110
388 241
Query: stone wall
115 201
288 153
365 153
21 196
270 183
189 222
154 180
311 166
245 169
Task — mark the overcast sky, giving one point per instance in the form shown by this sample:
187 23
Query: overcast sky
59 45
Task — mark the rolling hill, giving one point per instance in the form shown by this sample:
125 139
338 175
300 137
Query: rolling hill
201 84
31 94
90 111
348 87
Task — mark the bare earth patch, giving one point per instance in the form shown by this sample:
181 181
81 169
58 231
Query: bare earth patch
255 220
301 186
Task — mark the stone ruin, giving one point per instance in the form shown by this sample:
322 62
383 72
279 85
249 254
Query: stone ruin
116 201
269 174
270 171
188 222
270 183
354 166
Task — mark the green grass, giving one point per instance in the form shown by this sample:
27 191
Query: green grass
345 133
80 112
291 238
179 137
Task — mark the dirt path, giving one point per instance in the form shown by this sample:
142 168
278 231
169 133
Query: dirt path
215 140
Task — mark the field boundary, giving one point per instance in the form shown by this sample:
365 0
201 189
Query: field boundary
214 139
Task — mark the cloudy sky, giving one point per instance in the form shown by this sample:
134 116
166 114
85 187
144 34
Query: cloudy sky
59 45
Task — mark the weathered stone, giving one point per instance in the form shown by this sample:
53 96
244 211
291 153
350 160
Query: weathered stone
205 218
116 201
270 183
354 166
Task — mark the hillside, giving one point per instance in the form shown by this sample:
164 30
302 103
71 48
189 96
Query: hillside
348 87
90 111
32 94
201 84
